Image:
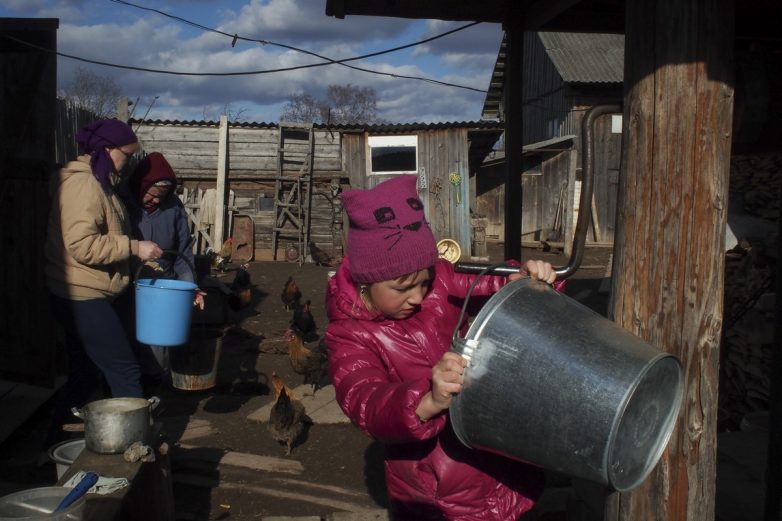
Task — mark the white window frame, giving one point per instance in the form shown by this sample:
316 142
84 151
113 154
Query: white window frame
407 140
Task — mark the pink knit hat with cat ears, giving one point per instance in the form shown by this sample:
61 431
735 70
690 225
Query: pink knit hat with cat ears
388 236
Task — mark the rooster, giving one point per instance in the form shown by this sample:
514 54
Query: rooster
303 323
312 363
221 258
290 294
241 289
320 257
287 416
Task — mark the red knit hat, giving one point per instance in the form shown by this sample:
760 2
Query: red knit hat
151 170
389 236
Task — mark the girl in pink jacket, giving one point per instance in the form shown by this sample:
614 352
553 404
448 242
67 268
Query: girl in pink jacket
393 307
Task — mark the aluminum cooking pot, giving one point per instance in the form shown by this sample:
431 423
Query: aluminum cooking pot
112 425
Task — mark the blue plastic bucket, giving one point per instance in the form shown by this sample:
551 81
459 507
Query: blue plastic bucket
164 309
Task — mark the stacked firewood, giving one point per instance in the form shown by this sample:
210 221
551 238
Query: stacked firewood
750 301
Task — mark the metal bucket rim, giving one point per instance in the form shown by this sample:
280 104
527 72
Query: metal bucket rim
667 429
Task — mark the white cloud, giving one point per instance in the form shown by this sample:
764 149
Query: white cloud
131 37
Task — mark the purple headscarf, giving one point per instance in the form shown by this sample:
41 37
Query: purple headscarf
96 137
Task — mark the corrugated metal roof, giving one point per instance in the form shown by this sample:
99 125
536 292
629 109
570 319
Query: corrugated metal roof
586 57
384 127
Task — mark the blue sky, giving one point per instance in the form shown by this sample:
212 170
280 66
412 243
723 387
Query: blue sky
114 32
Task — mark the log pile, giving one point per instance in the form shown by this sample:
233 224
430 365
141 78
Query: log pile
750 301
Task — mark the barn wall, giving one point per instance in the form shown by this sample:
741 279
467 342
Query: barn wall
544 181
27 104
440 153
252 151
340 161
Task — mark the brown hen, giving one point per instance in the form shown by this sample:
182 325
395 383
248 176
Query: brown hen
290 294
287 417
313 363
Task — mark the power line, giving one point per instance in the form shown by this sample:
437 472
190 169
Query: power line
235 37
328 61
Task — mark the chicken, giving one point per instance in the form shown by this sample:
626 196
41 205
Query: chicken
290 294
312 363
241 289
221 258
303 323
297 351
287 417
320 257
317 367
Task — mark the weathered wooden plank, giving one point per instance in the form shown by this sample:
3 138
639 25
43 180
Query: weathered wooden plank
668 268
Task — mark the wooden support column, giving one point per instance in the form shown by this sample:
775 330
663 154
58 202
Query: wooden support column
512 96
219 234
670 243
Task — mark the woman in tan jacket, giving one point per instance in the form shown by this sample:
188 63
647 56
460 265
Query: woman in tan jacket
88 251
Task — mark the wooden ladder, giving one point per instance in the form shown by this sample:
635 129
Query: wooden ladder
293 187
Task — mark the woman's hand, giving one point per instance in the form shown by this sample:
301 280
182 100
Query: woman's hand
148 250
199 299
536 269
447 380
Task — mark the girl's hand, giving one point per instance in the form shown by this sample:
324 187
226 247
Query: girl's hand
447 380
536 269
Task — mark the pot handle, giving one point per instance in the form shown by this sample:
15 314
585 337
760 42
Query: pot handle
154 401
78 412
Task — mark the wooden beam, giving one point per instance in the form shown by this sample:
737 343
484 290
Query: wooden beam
541 11
670 240
514 34
222 166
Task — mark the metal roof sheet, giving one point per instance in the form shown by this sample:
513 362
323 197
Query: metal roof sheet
586 57
381 127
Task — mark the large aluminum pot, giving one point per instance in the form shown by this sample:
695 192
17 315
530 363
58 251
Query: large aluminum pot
553 383
112 425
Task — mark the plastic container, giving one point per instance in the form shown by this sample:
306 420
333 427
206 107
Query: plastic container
553 383
164 310
65 453
37 504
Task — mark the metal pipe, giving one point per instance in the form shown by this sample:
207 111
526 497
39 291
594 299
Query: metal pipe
587 186
476 267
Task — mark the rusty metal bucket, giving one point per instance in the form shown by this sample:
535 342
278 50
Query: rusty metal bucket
194 365
553 383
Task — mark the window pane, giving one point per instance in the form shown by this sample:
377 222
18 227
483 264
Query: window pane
393 159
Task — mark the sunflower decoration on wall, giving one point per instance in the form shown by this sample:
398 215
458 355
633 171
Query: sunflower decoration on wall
456 180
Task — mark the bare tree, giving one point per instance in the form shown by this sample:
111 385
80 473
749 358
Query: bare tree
235 115
343 104
96 93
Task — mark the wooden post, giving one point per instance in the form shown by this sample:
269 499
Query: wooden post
512 96
122 109
773 503
570 199
222 166
670 243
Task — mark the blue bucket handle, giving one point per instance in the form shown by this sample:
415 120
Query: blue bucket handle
175 253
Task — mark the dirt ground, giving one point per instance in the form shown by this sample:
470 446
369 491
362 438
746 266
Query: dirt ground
342 468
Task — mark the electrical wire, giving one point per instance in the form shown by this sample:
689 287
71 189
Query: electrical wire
234 37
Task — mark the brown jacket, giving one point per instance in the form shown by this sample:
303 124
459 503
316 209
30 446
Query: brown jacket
88 245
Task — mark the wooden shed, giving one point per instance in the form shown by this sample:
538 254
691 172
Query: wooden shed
342 157
566 74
